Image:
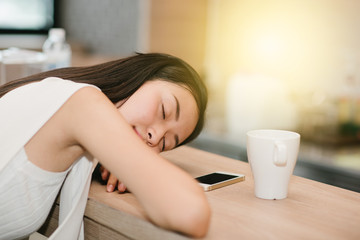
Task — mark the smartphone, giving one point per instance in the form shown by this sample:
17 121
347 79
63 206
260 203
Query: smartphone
216 180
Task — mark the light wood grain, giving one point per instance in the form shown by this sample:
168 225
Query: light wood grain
114 215
312 210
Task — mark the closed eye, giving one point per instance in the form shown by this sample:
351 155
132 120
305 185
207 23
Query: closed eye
163 147
163 111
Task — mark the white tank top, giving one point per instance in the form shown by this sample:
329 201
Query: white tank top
31 191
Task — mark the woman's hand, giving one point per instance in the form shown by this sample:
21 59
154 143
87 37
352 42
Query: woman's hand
112 181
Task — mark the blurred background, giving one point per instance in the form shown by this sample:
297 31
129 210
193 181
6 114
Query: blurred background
292 65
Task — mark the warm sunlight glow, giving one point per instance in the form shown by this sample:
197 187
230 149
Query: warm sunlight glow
268 46
301 42
303 47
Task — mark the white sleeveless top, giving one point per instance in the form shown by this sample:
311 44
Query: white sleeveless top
23 111
27 194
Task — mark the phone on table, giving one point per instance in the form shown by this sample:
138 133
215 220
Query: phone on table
216 180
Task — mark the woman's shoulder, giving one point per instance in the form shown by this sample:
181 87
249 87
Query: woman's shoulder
66 90
88 94
89 99
48 88
63 83
47 94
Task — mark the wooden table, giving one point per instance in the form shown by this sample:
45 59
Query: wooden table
312 210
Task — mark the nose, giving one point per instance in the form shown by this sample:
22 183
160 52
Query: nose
154 136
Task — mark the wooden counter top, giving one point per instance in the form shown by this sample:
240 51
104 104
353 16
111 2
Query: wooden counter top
313 210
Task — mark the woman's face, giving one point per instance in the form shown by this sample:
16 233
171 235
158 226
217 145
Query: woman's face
163 114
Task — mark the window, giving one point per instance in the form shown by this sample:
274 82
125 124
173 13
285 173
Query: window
26 16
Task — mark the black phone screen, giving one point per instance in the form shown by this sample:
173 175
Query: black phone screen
213 178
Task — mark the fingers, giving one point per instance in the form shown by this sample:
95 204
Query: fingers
112 182
121 187
104 173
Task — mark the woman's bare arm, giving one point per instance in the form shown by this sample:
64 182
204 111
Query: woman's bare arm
171 198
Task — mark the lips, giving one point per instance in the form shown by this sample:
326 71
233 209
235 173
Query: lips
138 133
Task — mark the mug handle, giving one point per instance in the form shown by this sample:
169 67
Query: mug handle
280 154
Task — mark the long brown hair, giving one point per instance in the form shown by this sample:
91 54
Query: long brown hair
119 79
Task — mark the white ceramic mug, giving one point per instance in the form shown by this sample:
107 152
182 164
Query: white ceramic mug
272 155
